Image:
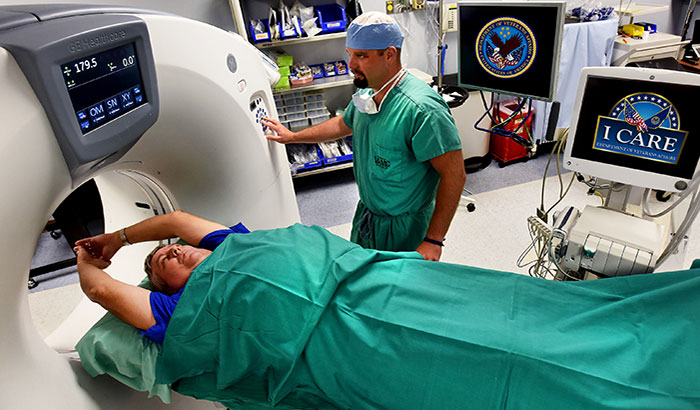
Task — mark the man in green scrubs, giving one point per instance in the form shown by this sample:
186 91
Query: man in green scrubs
407 151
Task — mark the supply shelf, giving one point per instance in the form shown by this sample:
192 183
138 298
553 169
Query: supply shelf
317 171
321 83
633 10
300 40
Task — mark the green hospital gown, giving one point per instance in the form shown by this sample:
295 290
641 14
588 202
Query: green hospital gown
392 149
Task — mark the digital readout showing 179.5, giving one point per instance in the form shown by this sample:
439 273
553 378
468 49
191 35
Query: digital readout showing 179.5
104 86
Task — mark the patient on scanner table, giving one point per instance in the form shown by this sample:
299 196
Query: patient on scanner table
306 315
168 267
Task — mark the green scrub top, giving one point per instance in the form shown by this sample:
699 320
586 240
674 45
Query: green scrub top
391 150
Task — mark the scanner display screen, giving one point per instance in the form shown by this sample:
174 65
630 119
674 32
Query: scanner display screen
104 86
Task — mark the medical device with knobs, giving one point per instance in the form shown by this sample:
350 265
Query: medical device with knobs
609 243
199 149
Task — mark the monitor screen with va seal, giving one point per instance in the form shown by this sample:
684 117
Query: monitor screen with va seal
636 126
510 47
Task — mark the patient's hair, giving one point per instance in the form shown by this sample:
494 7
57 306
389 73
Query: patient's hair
158 284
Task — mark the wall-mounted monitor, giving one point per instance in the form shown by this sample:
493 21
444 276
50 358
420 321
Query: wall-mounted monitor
636 126
510 47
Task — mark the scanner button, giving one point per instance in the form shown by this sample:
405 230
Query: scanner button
97 114
113 107
127 100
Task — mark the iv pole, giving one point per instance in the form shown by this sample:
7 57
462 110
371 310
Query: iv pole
441 37
688 16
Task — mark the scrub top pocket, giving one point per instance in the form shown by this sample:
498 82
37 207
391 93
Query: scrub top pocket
386 164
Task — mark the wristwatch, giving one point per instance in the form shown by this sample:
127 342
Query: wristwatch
123 238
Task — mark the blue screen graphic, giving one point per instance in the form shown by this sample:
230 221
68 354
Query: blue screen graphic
104 86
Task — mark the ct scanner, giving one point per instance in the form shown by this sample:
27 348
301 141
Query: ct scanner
159 110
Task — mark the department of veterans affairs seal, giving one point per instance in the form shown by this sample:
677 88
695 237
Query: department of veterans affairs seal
643 125
506 47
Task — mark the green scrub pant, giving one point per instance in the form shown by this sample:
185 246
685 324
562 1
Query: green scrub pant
390 233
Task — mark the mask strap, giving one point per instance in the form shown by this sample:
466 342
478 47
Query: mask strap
402 72
389 82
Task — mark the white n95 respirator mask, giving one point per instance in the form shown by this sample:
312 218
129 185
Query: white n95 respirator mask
363 99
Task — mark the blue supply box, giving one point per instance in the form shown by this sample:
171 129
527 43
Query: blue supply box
311 164
316 70
291 32
329 69
648 27
331 18
347 154
260 36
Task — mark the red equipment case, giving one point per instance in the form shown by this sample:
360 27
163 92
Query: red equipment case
504 149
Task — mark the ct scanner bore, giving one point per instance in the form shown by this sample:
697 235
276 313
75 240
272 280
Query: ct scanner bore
192 144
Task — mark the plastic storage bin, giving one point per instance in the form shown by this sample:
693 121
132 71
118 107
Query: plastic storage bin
315 105
316 70
334 152
292 32
313 96
331 18
260 37
294 108
319 119
316 113
298 124
292 100
295 116
295 153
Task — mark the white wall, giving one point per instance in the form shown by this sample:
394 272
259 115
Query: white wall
214 12
420 31
425 57
420 49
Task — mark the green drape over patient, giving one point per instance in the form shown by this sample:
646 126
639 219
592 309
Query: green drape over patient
305 315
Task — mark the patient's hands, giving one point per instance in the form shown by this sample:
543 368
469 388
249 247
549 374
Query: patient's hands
101 246
85 257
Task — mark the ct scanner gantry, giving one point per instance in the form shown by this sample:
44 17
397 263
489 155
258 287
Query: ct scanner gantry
158 110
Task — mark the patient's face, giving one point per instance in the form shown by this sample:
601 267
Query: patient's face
174 263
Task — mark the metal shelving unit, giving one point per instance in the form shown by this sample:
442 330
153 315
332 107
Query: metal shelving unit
318 84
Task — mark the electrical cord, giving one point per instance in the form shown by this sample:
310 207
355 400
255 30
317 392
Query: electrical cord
486 106
556 152
539 234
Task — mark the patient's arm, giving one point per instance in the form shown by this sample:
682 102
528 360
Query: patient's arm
188 227
129 303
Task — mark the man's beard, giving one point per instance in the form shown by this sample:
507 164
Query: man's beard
361 83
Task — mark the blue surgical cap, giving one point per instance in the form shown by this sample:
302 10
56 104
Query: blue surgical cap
374 31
